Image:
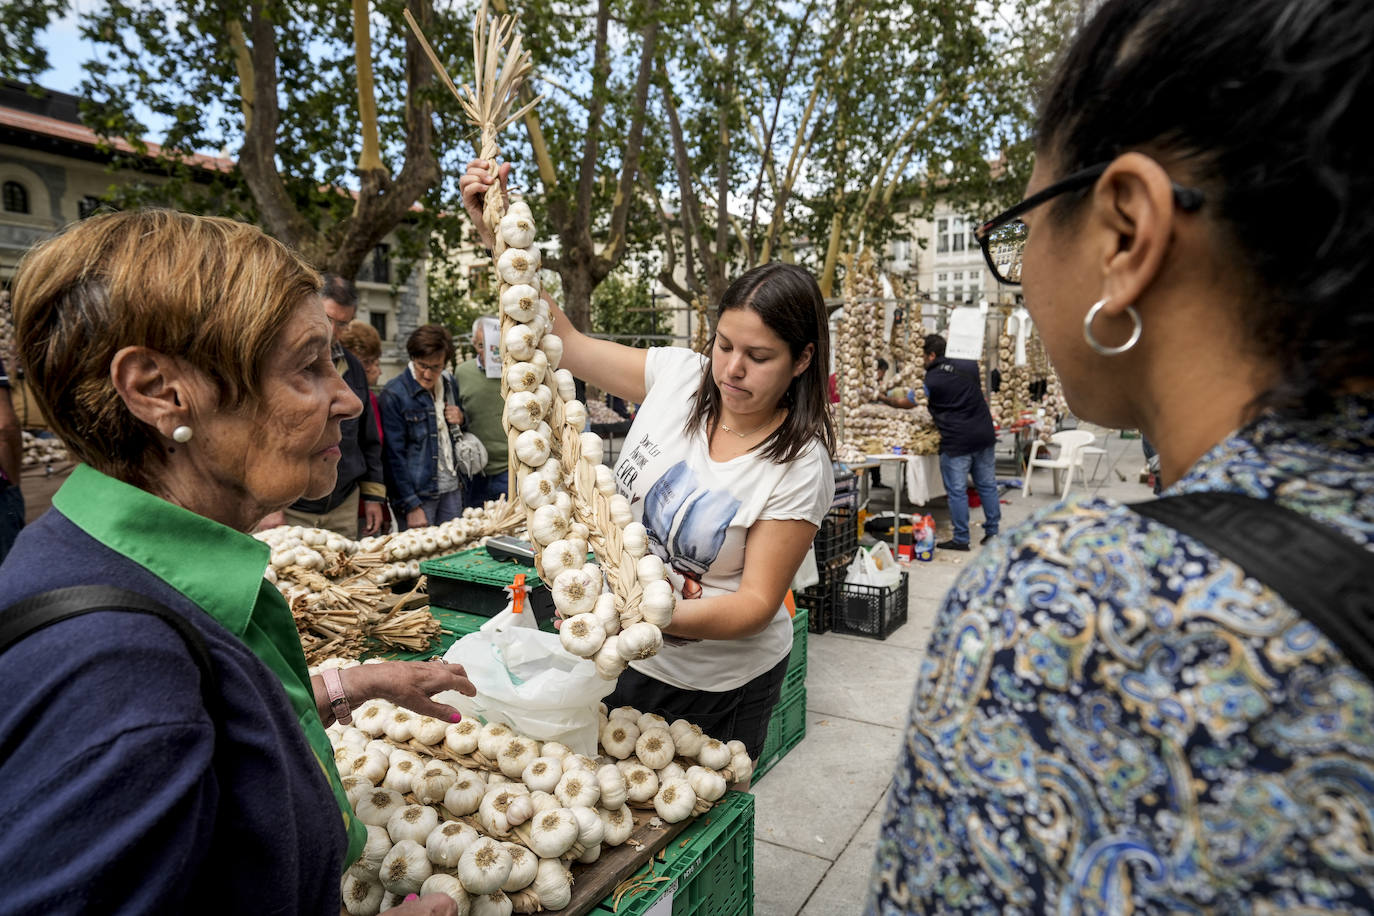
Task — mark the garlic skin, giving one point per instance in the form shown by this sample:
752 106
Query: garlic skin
523 410
517 754
491 813
605 481
736 747
619 737
377 806
465 795
368 766
413 822
519 810
581 634
655 748
713 755
524 376
400 728
552 833
621 512
519 342
609 664
650 568
741 766
578 788
617 824
688 738
370 717
405 868
612 784
553 884
354 787
440 883
492 739
675 800
639 640
446 843
518 265
536 490
556 749
606 613
635 537
433 782
707 784
673 770
651 720
625 712
524 866
641 783
517 230
374 851
461 737
401 775
658 602
548 524
543 801
484 866
593 448
575 593
362 896
542 774
561 555
552 345
574 413
493 904
590 830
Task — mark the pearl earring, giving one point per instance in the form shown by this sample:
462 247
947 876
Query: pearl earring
182 434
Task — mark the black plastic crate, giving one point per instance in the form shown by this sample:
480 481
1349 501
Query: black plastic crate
475 582
838 537
869 610
819 601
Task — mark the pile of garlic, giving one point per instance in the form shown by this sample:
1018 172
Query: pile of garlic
876 428
497 820
569 496
42 451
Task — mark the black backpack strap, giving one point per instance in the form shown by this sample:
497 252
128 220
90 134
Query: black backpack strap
44 609
1319 571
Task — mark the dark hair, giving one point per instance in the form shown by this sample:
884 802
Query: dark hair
430 338
1263 104
790 305
935 344
882 364
340 290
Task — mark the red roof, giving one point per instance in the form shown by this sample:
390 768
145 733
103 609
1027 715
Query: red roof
79 133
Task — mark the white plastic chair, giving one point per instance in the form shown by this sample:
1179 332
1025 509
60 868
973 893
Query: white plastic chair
1093 451
1071 443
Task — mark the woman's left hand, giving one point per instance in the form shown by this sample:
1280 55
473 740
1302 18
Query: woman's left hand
408 684
453 415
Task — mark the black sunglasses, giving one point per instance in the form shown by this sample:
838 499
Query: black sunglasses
1003 238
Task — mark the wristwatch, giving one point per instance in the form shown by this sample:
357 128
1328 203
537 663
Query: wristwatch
338 700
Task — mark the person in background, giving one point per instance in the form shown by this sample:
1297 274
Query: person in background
967 439
186 362
1111 716
362 340
360 462
420 421
11 465
480 398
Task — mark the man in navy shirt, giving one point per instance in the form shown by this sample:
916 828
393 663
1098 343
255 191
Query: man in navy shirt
967 439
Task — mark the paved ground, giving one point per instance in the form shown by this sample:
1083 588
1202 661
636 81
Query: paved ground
818 810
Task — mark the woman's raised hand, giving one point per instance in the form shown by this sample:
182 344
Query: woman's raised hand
474 184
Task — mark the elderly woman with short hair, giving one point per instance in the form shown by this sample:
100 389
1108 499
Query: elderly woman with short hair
167 751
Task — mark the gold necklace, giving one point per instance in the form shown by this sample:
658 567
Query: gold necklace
746 435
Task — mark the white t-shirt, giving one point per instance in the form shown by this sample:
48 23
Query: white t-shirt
698 512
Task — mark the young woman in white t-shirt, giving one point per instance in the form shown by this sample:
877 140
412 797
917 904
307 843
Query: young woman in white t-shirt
727 464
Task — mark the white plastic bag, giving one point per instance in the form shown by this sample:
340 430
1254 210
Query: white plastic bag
525 679
808 574
876 567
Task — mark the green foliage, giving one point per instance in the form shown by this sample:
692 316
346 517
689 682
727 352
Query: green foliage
623 306
21 56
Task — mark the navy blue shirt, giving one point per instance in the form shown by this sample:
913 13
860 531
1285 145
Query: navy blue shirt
958 408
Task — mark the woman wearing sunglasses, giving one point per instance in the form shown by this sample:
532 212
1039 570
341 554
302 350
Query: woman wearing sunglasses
1114 716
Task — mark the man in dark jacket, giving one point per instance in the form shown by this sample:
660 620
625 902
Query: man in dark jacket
360 464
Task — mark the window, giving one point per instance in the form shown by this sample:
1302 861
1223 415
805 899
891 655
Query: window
940 278
378 320
958 294
381 263
958 275
958 236
86 206
942 293
942 235
901 250
16 197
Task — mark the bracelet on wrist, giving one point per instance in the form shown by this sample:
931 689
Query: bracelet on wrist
338 699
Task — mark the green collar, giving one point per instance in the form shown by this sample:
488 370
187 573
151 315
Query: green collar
214 566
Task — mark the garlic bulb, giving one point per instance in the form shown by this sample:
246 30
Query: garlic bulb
374 851
609 664
433 782
405 868
707 784
621 513
563 554
619 737
575 415
401 775
446 843
650 569
714 754
401 727
537 490
362 896
672 770
575 592
354 787
605 481
581 634
377 806
366 765
639 640
654 748
491 813
658 602
428 730
687 737
441 883
628 713
552 833
542 774
523 410
493 738
580 762
641 783
524 865
675 800
736 747
590 830
519 810
555 749
516 231
593 449
465 795
517 754
548 524
606 613
635 537
524 376
553 884
371 718
520 342
651 720
567 385
543 801
578 788
612 784
552 345
484 866
742 767
493 904
413 822
617 824
518 265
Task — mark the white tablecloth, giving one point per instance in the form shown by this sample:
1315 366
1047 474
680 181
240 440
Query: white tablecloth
921 482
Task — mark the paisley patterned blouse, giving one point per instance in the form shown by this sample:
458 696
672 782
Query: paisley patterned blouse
1113 719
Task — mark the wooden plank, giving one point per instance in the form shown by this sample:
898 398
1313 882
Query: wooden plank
594 883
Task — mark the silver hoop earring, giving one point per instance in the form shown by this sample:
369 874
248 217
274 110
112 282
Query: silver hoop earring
1093 341
182 434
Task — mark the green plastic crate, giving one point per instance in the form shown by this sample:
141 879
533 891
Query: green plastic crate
711 865
796 662
473 582
786 729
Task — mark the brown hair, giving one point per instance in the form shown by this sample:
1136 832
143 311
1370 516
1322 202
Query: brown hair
431 338
362 340
212 292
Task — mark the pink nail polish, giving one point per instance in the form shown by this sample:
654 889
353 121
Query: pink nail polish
410 897
456 717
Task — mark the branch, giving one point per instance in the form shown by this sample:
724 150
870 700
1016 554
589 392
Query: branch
601 72
629 160
694 231
371 156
